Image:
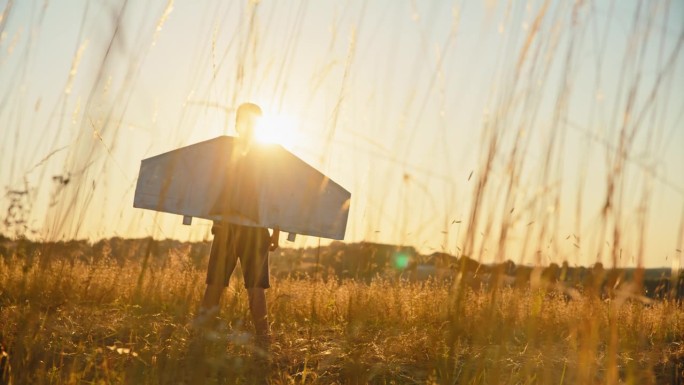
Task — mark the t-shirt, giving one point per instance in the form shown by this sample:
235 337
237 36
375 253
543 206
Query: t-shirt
240 193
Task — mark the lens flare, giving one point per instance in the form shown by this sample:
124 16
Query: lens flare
401 261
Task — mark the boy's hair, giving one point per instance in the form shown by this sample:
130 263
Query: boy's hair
246 112
246 119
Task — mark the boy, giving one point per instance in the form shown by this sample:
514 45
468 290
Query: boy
232 241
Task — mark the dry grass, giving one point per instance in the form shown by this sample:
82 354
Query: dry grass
544 136
72 323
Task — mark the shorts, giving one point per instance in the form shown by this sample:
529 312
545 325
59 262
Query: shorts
233 242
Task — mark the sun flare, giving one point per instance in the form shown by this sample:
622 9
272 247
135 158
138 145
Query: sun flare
276 129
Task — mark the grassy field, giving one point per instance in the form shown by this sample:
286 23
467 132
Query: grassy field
106 322
530 132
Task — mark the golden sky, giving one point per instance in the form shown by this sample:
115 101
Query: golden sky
552 108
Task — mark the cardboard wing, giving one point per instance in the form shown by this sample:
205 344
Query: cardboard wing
266 186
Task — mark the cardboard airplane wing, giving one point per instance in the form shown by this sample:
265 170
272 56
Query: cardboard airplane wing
263 186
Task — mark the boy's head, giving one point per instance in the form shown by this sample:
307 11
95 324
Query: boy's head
246 119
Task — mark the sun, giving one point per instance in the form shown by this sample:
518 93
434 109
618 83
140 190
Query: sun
276 129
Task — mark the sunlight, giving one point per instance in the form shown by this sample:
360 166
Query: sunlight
277 129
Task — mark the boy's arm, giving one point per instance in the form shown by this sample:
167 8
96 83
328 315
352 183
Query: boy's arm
274 239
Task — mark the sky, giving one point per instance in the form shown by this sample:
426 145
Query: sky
536 131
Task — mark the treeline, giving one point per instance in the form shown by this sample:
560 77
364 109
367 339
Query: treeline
113 250
366 261
363 261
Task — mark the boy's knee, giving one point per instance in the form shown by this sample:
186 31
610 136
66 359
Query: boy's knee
256 291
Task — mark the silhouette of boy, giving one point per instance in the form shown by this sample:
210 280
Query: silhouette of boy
250 245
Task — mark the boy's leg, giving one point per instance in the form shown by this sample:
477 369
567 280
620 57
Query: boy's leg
212 296
222 261
253 251
257 306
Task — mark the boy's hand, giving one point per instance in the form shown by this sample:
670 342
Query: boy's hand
273 245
